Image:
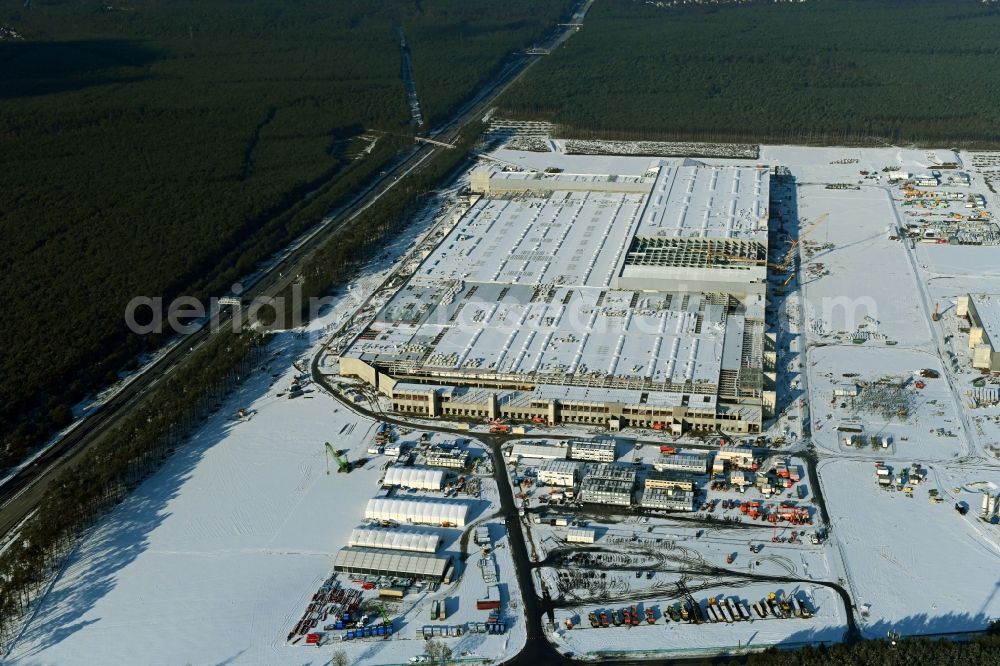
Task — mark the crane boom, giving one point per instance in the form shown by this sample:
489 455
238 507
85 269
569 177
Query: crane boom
342 462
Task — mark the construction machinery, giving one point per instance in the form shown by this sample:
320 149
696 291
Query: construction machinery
343 464
789 257
386 622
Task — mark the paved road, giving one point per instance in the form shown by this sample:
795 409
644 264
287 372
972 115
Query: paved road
20 495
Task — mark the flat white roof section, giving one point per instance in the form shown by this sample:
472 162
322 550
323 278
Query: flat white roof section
571 238
660 339
693 200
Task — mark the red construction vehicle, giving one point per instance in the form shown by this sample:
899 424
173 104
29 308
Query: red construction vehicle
657 425
499 429
668 450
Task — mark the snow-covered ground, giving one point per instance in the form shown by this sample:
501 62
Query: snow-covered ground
215 558
914 567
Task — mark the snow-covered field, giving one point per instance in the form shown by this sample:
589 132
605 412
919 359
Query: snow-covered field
914 567
214 559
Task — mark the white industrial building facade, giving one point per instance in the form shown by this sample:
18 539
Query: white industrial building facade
417 512
449 459
606 491
669 266
558 472
983 314
608 483
593 450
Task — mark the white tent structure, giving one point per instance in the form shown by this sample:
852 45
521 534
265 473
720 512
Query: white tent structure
378 562
421 478
419 542
426 512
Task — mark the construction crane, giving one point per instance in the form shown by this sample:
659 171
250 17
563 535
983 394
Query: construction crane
789 256
386 622
342 461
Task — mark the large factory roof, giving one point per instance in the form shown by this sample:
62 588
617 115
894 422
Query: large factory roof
571 238
988 308
692 200
588 293
493 329
424 478
510 180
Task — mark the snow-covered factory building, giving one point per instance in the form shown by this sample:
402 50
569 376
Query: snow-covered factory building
591 299
983 314
395 539
453 459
